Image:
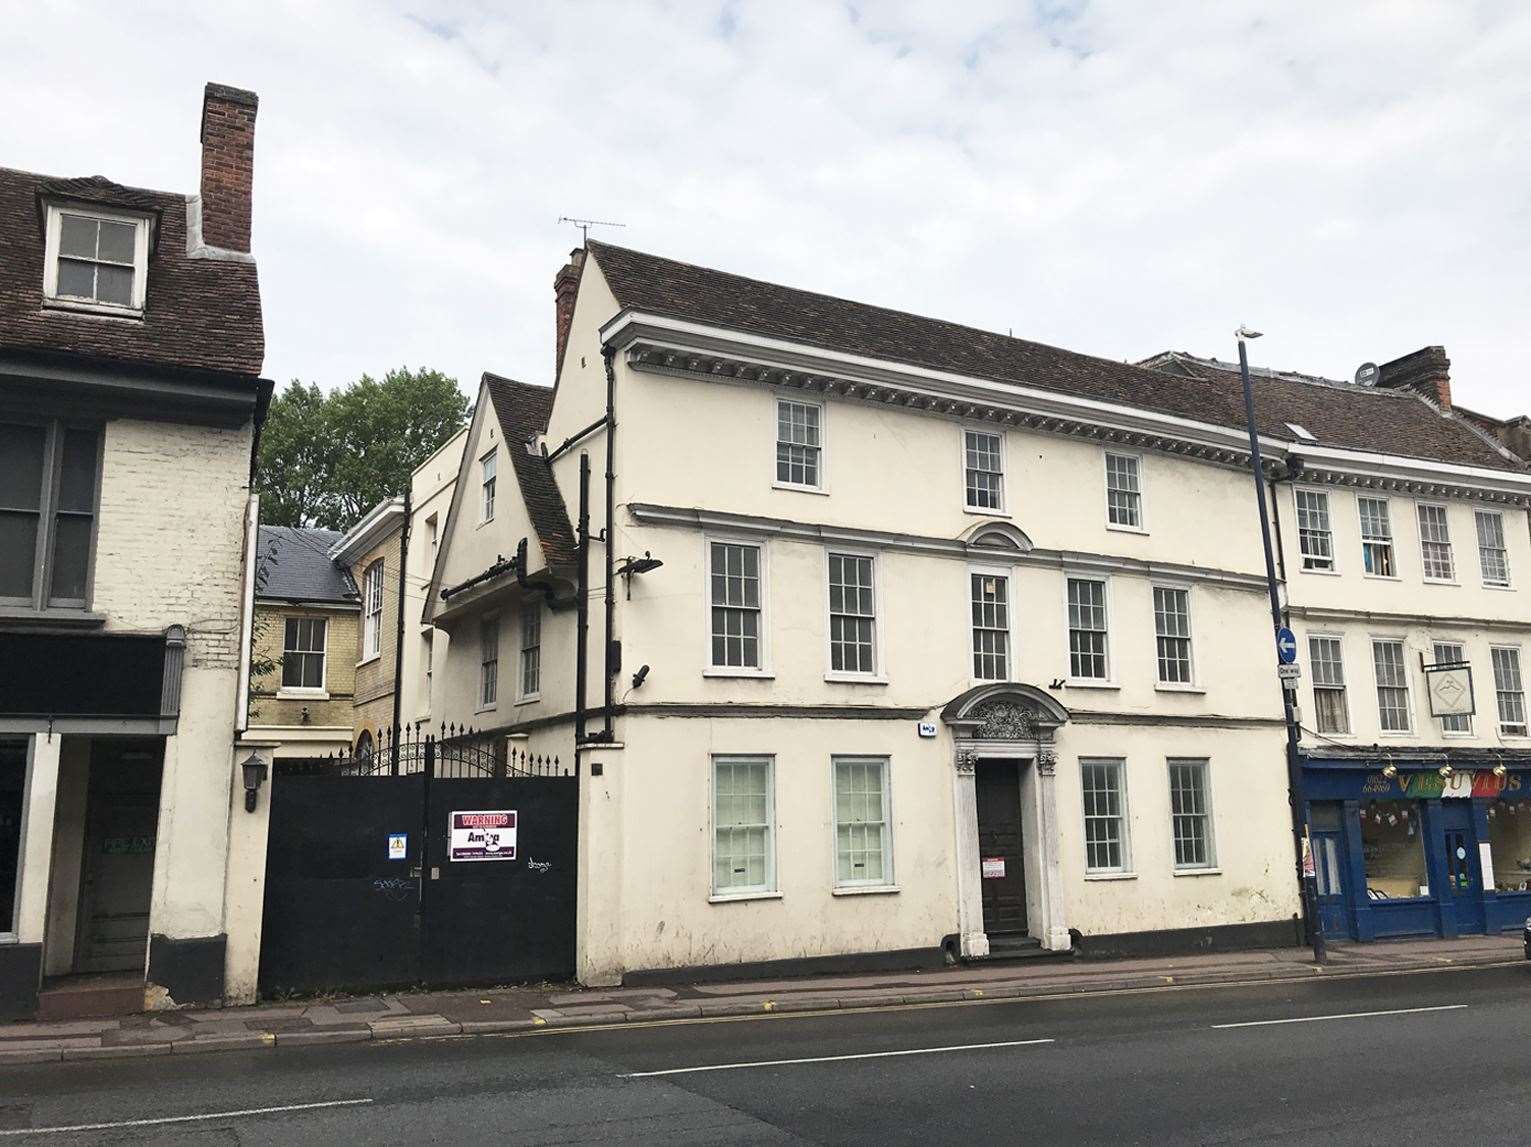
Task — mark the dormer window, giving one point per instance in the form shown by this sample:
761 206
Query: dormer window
96 260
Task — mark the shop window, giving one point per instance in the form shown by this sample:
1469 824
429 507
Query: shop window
1509 835
1394 851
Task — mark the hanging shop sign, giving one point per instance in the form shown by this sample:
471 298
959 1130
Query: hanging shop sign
1450 686
483 835
1461 784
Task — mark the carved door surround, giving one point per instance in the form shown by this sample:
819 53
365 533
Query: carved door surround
1008 721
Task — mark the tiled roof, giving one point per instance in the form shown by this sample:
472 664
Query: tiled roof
199 314
1350 417
523 413
294 565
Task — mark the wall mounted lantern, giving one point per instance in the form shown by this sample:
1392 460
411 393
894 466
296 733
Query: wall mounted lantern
255 769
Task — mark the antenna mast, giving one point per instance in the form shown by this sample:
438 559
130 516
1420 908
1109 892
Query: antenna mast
584 226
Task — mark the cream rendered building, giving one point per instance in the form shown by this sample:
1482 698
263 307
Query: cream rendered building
929 641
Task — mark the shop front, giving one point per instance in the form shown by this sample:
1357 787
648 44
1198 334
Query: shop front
1424 846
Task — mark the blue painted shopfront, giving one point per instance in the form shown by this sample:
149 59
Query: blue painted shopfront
1419 852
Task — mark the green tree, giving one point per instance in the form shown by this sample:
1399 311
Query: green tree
326 459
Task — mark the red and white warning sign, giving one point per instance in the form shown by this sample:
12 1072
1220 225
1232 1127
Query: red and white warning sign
485 834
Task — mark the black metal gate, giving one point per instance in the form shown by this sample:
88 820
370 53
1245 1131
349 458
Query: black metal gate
367 887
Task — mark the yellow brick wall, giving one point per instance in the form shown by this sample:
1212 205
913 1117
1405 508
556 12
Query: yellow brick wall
340 645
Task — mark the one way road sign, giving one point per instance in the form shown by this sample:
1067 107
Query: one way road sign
1286 645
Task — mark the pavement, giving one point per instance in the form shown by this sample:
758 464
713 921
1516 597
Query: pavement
525 1009
1428 1058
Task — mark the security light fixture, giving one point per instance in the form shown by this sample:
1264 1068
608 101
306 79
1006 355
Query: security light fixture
254 769
1390 770
1243 334
630 566
641 676
1445 770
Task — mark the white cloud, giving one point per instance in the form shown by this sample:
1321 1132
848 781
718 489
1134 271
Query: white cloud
1115 177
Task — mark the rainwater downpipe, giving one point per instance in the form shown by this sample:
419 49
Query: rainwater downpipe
609 354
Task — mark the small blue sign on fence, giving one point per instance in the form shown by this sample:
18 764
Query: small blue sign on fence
398 845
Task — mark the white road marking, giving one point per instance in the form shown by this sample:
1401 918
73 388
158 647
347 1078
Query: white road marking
243 1113
835 1058
1342 1016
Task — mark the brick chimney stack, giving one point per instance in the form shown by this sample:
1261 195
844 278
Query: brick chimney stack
1427 371
565 288
228 166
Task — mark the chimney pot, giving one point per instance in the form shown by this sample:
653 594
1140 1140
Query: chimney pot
565 290
228 165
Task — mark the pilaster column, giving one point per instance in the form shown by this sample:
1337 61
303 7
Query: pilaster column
974 942
1055 932
37 838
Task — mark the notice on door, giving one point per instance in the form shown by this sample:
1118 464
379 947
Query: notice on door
483 835
994 868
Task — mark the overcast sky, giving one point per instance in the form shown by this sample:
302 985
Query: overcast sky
1118 178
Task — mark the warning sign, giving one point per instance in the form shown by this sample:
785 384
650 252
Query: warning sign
483 835
993 867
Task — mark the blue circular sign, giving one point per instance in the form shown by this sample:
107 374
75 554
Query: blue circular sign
1286 645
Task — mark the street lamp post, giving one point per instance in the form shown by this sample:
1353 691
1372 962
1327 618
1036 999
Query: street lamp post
1302 846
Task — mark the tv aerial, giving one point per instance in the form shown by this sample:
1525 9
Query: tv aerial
584 226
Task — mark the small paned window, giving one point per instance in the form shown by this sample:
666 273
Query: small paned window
47 513
1314 537
489 661
1088 659
1124 495
1451 652
1509 690
743 849
1105 816
852 614
863 836
734 580
1435 543
1392 686
1172 630
1376 537
1191 814
1330 710
799 443
98 260
488 465
372 610
1493 557
991 626
303 653
531 648
984 468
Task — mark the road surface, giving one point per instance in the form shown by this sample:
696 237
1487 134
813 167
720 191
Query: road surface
1434 1058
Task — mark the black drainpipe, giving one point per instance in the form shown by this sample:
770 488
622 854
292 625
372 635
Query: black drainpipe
582 604
398 637
607 667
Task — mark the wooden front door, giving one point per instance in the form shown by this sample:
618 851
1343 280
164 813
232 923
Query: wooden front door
122 822
999 846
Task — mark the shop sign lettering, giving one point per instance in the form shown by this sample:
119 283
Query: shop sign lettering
1432 786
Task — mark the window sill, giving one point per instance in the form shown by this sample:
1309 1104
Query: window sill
732 897
12 617
865 890
1381 577
794 488
1127 529
490 708
855 679
1198 872
1499 588
369 659
1440 581
483 523
982 513
1088 683
1171 687
285 694
1324 573
86 307
1110 875
529 699
1395 733
747 674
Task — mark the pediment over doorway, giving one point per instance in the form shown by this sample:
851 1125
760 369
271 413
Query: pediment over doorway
1005 711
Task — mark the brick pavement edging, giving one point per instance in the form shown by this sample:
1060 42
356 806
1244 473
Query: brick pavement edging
396 1027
